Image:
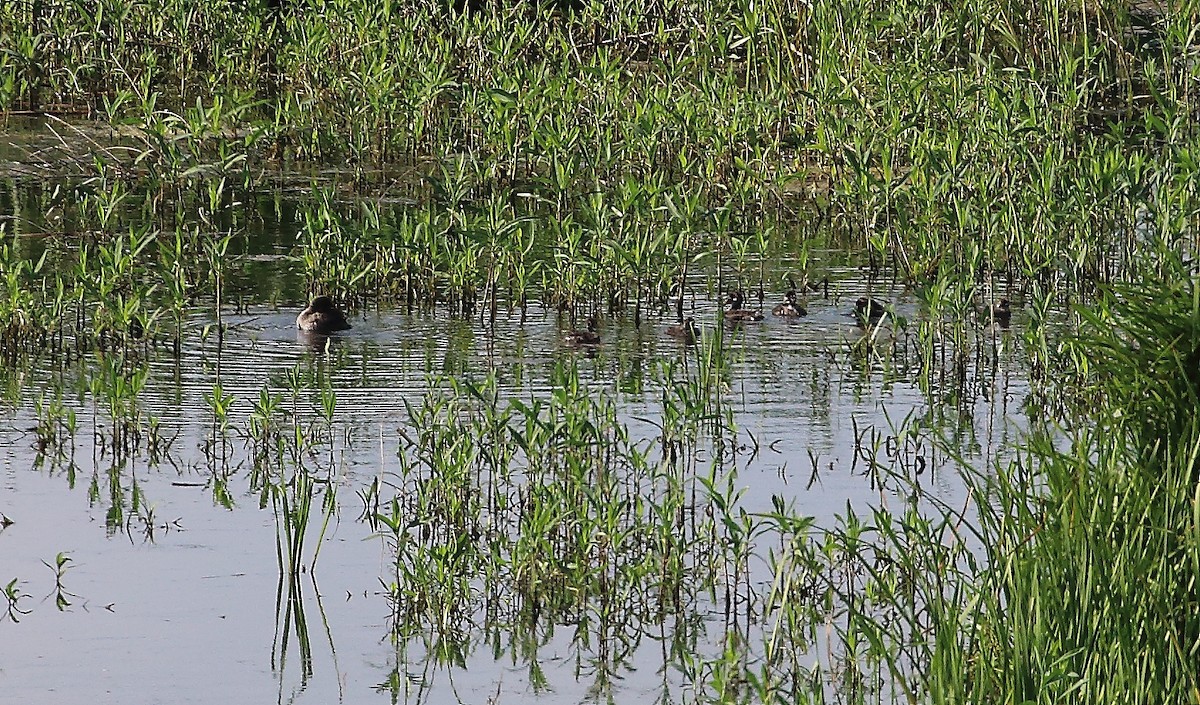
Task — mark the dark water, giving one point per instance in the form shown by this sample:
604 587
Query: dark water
179 602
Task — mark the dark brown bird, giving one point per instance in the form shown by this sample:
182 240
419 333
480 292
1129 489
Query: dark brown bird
584 337
868 310
1000 314
322 316
687 331
790 308
737 314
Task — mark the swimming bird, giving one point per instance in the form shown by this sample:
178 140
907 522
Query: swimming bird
1000 314
737 314
584 337
322 316
868 310
790 308
687 331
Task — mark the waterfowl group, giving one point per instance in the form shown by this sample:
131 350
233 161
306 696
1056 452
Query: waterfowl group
322 316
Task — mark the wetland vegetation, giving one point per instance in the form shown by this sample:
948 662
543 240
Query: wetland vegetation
966 473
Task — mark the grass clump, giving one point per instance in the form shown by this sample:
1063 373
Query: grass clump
1093 552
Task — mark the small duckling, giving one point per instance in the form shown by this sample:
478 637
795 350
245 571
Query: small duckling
868 310
584 337
1000 314
790 308
322 316
687 332
737 314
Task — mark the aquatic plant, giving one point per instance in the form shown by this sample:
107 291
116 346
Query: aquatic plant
598 125
60 567
13 596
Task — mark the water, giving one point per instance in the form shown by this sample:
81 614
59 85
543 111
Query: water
186 606
173 589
